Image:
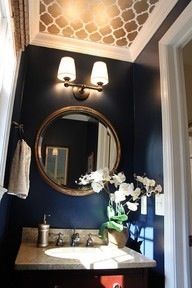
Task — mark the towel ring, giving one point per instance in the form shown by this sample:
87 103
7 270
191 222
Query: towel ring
20 128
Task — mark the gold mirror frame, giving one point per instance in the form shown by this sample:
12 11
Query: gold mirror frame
65 111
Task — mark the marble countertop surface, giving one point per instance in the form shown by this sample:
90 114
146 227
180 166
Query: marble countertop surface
31 257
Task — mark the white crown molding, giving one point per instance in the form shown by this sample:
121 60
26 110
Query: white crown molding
80 46
150 27
97 49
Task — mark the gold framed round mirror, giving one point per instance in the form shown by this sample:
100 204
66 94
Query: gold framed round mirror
71 142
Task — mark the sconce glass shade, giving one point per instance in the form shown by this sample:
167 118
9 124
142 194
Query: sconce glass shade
99 73
66 69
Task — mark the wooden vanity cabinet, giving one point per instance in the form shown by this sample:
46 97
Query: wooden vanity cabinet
127 278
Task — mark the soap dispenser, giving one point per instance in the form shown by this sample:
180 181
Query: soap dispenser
43 233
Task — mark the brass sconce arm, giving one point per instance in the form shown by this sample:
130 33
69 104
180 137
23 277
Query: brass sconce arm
81 91
99 88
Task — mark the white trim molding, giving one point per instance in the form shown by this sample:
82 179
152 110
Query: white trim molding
86 47
175 153
80 46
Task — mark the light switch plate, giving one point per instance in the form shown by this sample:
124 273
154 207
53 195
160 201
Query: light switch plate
159 204
144 205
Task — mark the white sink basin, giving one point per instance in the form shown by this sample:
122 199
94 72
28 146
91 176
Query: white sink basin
73 252
92 257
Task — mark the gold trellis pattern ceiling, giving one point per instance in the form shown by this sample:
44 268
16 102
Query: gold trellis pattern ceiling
112 22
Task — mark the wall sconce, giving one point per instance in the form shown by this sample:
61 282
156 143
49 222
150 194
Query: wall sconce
67 73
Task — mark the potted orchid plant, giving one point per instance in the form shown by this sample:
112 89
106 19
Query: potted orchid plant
123 197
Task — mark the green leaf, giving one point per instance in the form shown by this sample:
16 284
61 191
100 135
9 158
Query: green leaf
110 212
119 218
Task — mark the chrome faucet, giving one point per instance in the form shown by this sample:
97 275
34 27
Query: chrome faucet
75 239
89 242
60 241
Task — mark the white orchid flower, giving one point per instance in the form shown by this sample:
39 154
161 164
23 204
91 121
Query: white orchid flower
126 188
119 196
148 182
83 180
97 186
158 188
130 189
132 206
135 194
102 180
97 175
140 179
117 179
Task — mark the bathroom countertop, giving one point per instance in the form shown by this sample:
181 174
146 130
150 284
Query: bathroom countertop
31 257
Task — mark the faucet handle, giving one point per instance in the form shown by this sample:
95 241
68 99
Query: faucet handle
75 239
60 241
89 242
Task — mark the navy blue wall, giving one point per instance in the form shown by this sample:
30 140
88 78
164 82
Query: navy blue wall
43 94
148 155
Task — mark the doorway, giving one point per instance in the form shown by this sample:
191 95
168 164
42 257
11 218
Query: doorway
187 69
176 152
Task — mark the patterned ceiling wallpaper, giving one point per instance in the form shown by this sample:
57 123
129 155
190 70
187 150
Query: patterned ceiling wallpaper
112 22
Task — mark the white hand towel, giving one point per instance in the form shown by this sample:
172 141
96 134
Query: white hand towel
20 170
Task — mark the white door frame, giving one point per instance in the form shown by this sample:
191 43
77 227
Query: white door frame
175 152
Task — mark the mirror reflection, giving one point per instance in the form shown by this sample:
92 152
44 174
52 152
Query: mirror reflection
56 164
73 141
